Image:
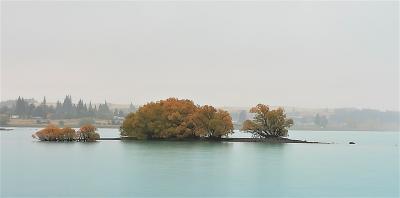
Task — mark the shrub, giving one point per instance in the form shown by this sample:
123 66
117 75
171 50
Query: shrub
176 118
54 133
267 123
87 133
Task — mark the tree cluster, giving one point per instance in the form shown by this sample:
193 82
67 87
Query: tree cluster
176 118
62 110
321 121
267 122
86 133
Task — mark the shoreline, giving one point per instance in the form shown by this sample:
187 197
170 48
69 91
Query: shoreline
273 140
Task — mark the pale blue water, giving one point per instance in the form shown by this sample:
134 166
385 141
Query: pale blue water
156 169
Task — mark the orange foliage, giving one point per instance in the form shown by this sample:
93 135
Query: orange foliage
213 123
87 128
87 132
267 122
176 118
54 133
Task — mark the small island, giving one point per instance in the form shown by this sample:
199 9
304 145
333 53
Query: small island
182 120
86 133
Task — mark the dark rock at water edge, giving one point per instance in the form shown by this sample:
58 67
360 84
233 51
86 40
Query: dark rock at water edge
5 129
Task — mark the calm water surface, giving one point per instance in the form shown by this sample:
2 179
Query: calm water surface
117 168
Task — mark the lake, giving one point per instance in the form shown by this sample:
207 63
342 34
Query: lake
202 169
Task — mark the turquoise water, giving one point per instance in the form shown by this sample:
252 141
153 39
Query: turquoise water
201 169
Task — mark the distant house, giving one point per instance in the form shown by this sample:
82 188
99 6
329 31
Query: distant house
117 120
14 116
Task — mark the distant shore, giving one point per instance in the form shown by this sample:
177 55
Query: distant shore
44 125
108 126
118 126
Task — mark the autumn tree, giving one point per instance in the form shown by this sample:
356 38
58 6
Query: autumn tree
212 123
176 118
68 134
168 118
87 133
267 122
54 133
47 134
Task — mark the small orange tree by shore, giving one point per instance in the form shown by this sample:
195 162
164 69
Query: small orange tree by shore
54 133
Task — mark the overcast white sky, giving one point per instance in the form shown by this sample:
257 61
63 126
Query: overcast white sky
306 54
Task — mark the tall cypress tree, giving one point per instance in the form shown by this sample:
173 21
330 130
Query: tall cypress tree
44 108
21 107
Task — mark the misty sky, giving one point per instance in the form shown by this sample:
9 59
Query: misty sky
305 54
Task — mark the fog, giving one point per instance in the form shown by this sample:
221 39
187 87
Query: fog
304 54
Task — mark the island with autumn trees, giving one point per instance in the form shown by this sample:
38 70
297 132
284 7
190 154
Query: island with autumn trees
86 133
181 119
